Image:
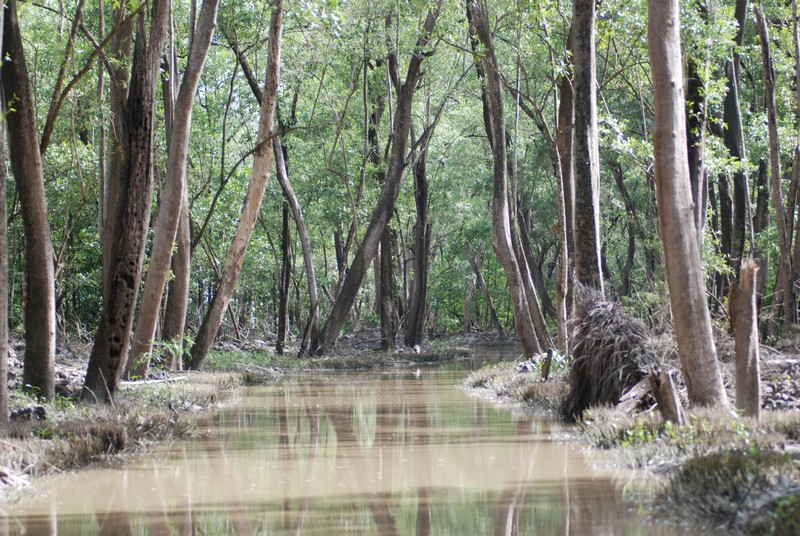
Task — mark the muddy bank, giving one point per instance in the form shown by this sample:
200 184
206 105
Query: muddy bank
717 470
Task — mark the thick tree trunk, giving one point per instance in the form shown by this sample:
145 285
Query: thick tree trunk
173 193
586 212
692 322
783 286
120 54
110 351
744 319
26 165
262 163
389 190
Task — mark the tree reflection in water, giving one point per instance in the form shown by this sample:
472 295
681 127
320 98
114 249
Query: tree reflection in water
367 454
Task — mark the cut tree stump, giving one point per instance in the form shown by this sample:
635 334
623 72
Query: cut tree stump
744 319
666 396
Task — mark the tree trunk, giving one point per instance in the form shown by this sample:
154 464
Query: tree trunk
502 230
178 296
286 279
26 165
586 212
470 294
389 190
734 141
696 135
262 163
783 286
132 214
744 319
173 193
386 303
4 309
475 262
692 322
305 242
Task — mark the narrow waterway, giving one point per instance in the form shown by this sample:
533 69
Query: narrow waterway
357 453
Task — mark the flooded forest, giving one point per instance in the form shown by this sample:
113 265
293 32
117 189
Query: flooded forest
399 266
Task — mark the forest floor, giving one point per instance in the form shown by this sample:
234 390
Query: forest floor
719 470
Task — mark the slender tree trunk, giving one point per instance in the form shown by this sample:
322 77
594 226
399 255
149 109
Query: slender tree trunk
389 190
692 322
386 302
783 286
26 165
475 262
3 265
501 211
734 141
286 280
696 135
470 294
415 316
586 212
173 193
312 327
262 163
178 296
110 351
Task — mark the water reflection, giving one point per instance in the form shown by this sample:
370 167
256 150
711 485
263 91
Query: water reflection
353 454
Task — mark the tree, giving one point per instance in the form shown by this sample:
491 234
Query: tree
130 209
502 215
262 163
390 188
691 319
26 165
586 189
172 196
3 265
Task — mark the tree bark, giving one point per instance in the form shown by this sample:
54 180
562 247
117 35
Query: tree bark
744 319
286 279
262 163
4 309
501 211
783 285
132 212
734 141
586 212
312 326
389 190
386 302
173 193
692 322
178 296
475 262
26 165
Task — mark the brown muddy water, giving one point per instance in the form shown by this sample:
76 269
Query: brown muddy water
356 453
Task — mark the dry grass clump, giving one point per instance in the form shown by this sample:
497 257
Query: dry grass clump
611 353
746 491
504 381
